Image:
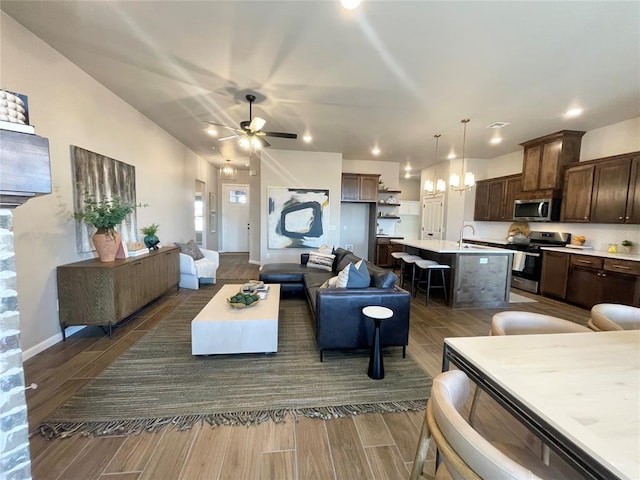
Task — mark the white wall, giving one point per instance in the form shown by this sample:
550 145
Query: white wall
410 188
295 169
70 108
622 137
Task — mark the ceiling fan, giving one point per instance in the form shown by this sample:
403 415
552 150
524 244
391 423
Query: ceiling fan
250 134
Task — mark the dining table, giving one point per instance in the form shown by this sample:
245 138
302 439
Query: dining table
578 392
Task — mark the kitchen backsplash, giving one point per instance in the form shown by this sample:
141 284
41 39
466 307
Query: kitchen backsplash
598 235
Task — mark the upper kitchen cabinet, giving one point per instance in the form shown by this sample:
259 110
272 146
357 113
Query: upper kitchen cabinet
359 187
495 198
616 193
606 190
545 157
576 196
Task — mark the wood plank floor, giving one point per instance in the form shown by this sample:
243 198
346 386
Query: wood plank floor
371 446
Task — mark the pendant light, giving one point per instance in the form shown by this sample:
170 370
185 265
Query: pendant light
229 173
467 178
435 187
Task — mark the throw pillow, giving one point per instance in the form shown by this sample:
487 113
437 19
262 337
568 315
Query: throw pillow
385 280
190 248
359 276
330 283
323 261
343 277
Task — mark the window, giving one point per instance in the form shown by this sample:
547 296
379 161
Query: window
237 196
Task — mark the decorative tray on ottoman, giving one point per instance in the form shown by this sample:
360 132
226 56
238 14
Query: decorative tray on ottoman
250 300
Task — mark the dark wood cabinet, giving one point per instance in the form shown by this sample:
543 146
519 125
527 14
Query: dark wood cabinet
594 280
615 191
577 192
384 249
92 292
359 187
555 273
545 158
606 190
495 197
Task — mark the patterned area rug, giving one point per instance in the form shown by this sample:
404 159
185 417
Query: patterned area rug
158 382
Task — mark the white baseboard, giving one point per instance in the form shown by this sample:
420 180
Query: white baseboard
255 262
42 346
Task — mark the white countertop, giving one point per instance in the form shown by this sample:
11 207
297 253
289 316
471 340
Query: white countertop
634 257
447 246
586 385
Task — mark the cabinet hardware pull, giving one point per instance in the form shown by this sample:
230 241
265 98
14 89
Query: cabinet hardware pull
586 218
621 267
138 263
584 261
619 218
604 274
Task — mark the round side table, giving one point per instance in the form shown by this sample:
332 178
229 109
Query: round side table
377 314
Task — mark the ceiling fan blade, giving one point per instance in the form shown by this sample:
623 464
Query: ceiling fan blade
220 125
256 124
281 135
222 139
264 143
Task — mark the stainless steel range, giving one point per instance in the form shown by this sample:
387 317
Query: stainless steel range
527 261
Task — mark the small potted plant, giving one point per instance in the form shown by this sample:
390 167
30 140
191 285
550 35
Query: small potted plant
627 246
151 240
105 216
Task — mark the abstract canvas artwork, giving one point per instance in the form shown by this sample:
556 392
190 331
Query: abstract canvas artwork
103 178
298 217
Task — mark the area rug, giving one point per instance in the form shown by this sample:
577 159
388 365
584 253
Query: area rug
158 382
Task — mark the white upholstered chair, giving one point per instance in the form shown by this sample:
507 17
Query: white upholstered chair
194 272
465 453
614 316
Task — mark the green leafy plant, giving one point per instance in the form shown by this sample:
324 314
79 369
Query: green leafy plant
626 243
150 230
105 215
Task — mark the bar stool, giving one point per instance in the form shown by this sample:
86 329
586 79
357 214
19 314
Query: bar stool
425 267
407 268
397 256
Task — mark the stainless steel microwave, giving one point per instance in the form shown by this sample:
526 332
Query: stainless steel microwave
537 210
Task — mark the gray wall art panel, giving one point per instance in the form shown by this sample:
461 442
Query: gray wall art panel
103 178
298 217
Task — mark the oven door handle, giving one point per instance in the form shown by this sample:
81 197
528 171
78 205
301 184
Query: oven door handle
532 254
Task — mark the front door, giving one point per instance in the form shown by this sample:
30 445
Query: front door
235 218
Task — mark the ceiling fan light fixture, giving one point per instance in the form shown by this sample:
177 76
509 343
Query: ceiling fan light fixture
244 143
256 144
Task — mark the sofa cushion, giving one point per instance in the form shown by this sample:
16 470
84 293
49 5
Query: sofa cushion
339 254
384 280
316 278
359 275
343 276
190 248
322 261
330 283
283 273
346 260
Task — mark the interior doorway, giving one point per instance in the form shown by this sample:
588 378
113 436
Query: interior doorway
198 212
432 218
236 228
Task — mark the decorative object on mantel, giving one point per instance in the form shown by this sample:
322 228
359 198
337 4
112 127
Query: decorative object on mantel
466 180
151 241
105 215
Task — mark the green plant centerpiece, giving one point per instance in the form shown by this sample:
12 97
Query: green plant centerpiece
105 216
626 243
151 241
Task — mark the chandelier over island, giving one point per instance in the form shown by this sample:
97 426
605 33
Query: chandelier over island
467 178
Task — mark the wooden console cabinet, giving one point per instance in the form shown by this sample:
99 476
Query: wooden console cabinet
92 292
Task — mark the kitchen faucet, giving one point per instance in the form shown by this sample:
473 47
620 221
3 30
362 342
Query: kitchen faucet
462 230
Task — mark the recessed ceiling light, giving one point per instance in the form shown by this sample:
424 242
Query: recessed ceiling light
573 112
211 130
350 4
375 151
451 156
407 175
495 140
307 138
407 168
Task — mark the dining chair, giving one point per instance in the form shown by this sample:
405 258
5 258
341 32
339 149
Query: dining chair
526 323
614 316
465 453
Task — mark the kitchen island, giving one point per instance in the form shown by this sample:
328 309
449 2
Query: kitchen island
479 276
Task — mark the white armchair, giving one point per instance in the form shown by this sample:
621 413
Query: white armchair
194 272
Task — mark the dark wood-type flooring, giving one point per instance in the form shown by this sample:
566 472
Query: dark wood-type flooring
370 446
